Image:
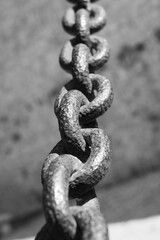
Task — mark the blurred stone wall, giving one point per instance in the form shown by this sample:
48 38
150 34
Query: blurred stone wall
31 38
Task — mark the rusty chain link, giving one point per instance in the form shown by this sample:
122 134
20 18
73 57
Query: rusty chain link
80 160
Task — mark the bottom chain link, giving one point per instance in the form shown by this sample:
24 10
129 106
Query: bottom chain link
81 222
90 224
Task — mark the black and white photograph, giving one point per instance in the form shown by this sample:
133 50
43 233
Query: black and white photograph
79 120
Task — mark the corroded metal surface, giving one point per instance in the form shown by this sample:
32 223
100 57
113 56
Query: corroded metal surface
96 59
83 156
78 22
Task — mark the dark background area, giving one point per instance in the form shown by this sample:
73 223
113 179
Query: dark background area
31 38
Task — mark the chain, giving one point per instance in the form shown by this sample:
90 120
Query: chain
82 157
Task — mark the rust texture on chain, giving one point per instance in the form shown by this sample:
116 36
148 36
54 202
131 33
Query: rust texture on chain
82 157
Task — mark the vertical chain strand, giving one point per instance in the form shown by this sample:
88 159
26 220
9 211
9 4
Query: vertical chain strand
83 156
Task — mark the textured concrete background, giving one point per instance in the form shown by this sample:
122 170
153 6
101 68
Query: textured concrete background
31 38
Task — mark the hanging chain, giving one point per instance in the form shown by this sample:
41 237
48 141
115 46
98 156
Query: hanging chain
82 157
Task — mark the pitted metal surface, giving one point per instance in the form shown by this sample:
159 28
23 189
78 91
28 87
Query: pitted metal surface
83 156
96 59
78 21
80 70
90 110
87 216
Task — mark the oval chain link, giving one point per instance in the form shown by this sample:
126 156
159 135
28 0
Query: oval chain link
94 20
83 156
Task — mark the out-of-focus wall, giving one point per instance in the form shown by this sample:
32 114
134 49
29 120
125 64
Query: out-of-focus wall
31 38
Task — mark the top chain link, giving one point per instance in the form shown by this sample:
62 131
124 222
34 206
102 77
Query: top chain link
82 157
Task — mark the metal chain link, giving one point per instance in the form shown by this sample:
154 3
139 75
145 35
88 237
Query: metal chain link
80 160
